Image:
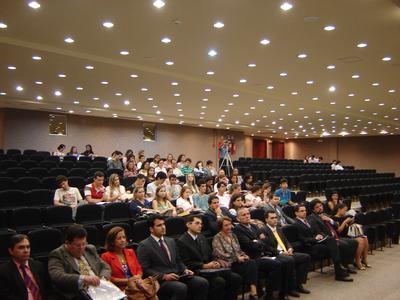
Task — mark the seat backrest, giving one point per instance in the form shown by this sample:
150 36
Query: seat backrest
6 183
28 183
140 231
4 242
40 197
80 172
27 216
58 171
13 151
49 183
38 172
125 226
76 181
175 226
83 164
15 172
89 212
116 210
29 152
48 164
58 214
100 158
70 158
44 240
291 233
28 164
85 158
12 198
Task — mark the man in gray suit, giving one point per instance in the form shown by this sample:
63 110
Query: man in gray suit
283 219
75 265
159 257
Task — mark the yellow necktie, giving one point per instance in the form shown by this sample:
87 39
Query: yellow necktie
83 268
278 238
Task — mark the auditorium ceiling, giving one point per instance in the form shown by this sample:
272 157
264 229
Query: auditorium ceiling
269 68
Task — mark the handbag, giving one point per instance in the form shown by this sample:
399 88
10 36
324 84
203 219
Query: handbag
142 289
355 230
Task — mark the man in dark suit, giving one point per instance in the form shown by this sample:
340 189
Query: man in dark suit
196 254
252 241
273 205
214 213
75 265
158 256
22 278
316 244
295 265
325 226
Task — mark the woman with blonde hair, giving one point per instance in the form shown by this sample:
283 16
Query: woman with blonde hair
115 191
161 203
191 183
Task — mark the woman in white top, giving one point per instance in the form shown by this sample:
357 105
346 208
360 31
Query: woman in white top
161 203
185 202
181 160
199 169
252 199
60 150
191 183
155 161
115 191
160 167
168 161
144 169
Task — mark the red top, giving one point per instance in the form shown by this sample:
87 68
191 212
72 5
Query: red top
96 194
117 271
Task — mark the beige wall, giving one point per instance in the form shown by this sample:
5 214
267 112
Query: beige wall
29 130
374 152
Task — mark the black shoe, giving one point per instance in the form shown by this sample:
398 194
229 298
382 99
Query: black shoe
294 293
350 271
345 279
302 290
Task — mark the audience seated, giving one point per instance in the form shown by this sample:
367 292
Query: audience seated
130 169
129 156
158 256
66 195
184 203
344 221
191 183
142 160
180 162
73 151
317 244
234 188
200 199
151 174
173 189
156 159
210 186
284 194
224 198
144 168
332 202
325 226
60 151
75 265
161 204
139 205
295 265
198 169
209 169
115 191
187 168
253 243
96 192
22 277
160 167
273 205
152 187
252 198
88 151
115 161
175 169
122 261
168 161
196 254
139 182
235 203
247 183
214 213
235 172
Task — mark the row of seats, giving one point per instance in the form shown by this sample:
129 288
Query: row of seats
5 165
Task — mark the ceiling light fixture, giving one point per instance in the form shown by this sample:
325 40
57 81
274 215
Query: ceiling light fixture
219 25
36 57
362 45
34 4
265 42
286 6
166 40
69 40
124 52
159 3
57 93
355 76
210 73
386 58
169 63
3 25
212 53
329 27
251 65
302 55
332 88
108 24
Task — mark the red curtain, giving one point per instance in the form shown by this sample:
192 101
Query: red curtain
259 148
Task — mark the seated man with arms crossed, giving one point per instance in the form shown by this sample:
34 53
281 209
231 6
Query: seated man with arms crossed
96 192
158 256
76 265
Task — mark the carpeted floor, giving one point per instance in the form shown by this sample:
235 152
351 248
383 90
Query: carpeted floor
381 282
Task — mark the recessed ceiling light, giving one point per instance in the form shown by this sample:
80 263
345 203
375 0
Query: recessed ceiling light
386 58
36 57
362 45
363 132
39 98
367 100
62 75
310 82
34 4
88 111
348 106
381 104
169 63
127 102
230 104
3 25
59 108
159 3
204 99
375 84
355 76
251 65
104 82
89 67
331 67
329 27
315 98
106 105
118 94
39 82
143 89
134 76
166 40
294 93
69 40
133 109
391 91
76 102
210 73
270 87
212 52
219 25
265 42
202 113
124 52
150 98
204 107
383 131
260 100
79 88
11 68
57 93
71 111
286 6
178 103
351 95
272 111
332 88
179 109
243 80
246 114
332 103
302 55
95 98
301 108
19 88
177 95
174 83
283 74
235 95
207 90
108 24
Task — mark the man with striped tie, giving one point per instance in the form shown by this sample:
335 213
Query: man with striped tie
22 278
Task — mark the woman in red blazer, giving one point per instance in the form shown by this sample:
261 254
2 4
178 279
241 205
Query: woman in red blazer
123 261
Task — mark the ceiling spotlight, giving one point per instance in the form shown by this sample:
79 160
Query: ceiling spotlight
174 83
302 55
127 102
331 67
363 132
108 24
355 76
35 57
332 88
362 45
57 93
212 53
159 3
134 76
124 52
251 65
219 25
329 27
11 68
344 133
270 87
3 25
34 4
210 73
89 67
79 88
19 88
383 131
283 74
243 80
69 40
39 82
386 58
310 82
169 63
264 42
375 84
166 40
106 105
286 6
39 98
391 91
